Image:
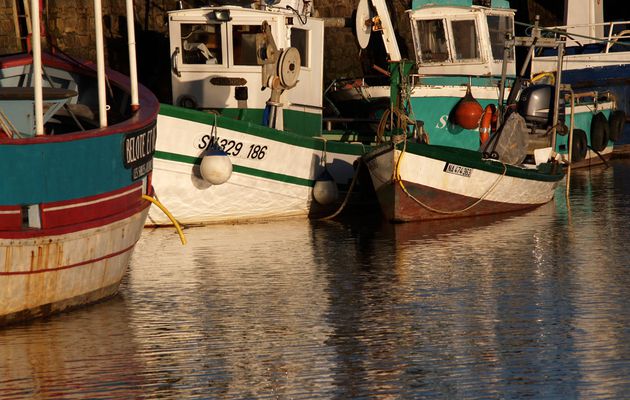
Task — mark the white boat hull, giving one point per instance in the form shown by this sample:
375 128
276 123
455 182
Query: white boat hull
274 181
419 187
47 274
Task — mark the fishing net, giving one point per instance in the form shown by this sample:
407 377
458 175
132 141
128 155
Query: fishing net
512 143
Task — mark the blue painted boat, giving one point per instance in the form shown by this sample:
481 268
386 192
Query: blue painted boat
74 176
597 58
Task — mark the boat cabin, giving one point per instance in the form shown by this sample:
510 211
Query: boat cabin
216 62
457 37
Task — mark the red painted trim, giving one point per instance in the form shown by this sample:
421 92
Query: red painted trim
79 264
33 233
91 208
11 220
399 207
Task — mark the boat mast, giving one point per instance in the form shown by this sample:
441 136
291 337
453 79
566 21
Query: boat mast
100 63
133 71
37 69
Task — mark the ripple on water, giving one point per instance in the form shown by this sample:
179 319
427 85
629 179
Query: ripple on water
521 305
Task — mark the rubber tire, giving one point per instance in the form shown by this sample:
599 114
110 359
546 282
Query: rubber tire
579 145
599 132
616 122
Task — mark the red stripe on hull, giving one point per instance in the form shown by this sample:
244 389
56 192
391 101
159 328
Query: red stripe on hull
21 234
80 264
10 218
91 208
398 206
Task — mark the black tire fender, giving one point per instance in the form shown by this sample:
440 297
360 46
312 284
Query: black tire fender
599 132
579 145
616 122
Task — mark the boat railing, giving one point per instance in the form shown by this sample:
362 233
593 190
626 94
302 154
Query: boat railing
17 104
613 33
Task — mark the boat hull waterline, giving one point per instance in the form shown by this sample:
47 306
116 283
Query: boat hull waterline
417 186
54 273
73 206
273 175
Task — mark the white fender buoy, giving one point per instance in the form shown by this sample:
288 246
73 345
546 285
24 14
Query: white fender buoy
216 167
325 189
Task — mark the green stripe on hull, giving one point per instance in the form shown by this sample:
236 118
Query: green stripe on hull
300 123
317 143
473 159
238 169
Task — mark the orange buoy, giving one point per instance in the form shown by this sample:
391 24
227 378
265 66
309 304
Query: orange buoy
488 119
468 111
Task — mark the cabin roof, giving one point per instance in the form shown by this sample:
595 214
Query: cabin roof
417 4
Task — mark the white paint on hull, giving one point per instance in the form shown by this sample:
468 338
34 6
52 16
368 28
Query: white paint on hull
273 186
429 172
51 270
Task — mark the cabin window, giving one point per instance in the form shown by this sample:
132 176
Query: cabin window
201 44
498 26
244 38
432 39
299 40
465 40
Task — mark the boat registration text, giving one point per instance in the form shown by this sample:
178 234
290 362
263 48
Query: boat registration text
234 148
457 170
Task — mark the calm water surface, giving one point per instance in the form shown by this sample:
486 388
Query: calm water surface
522 306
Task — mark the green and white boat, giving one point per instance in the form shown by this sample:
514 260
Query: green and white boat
459 53
243 138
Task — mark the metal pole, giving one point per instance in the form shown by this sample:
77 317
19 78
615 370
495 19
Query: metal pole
37 69
100 63
506 55
133 71
557 95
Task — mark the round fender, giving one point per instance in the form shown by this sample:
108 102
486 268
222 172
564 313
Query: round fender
616 122
216 167
468 111
579 145
485 126
325 190
599 132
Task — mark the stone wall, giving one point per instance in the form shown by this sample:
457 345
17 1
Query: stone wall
9 43
72 28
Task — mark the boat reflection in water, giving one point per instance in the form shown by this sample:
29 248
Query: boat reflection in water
83 354
509 306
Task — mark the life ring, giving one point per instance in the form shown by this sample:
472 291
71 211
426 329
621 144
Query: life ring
485 126
616 122
579 145
599 132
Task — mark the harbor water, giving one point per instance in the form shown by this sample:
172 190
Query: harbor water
533 305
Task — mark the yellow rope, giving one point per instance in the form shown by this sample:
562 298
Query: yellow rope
402 186
168 214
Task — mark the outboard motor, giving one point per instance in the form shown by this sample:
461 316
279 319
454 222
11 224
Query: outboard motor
536 106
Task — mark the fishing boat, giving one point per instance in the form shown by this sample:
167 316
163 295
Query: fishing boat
242 139
460 57
417 181
597 59
77 162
